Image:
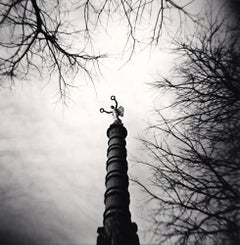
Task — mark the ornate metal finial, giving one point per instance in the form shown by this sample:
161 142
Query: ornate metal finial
116 111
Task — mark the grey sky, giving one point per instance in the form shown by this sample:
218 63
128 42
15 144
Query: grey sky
53 157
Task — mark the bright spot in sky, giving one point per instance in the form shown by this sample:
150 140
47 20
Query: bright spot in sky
53 157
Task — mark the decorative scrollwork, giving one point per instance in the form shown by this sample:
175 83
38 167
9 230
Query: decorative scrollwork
116 111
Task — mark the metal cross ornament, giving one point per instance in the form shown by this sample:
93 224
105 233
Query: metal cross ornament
116 111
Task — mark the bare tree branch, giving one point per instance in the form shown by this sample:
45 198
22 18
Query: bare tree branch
34 35
194 156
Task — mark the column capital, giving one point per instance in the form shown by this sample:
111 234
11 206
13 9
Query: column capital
116 129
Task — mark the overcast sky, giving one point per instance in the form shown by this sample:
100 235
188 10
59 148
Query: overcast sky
53 157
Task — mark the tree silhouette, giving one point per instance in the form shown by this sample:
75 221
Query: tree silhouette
38 36
194 156
35 38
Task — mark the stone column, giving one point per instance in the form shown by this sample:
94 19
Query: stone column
117 226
